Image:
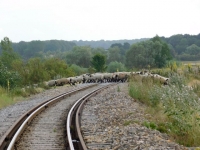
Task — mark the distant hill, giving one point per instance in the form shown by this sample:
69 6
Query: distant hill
38 48
183 47
106 43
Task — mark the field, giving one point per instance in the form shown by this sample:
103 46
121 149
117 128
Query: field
191 62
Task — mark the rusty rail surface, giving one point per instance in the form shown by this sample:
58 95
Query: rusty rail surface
9 138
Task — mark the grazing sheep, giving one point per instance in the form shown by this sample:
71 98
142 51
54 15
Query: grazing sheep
86 77
162 79
62 81
51 83
77 79
108 77
120 76
98 77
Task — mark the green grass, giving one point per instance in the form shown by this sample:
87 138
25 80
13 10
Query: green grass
6 98
15 95
175 108
150 125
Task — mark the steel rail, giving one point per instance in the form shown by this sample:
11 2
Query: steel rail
10 137
76 110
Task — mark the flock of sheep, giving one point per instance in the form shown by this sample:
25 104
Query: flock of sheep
105 77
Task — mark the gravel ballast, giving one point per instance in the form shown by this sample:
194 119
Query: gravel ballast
113 120
111 117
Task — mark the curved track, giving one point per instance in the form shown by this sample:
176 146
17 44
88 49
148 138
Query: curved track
74 135
25 120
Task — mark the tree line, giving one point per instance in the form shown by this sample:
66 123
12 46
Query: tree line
184 47
79 60
41 49
33 62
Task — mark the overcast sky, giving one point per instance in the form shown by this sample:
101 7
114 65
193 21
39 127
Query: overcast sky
27 20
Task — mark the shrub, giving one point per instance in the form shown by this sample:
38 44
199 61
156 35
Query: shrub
78 70
116 66
179 104
8 79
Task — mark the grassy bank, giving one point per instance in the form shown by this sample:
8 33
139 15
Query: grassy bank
175 108
6 99
17 94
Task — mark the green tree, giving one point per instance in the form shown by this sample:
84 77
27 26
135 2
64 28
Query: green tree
36 70
116 66
98 62
78 70
193 49
55 67
99 50
153 53
135 57
162 52
80 55
8 55
114 55
23 70
8 79
126 46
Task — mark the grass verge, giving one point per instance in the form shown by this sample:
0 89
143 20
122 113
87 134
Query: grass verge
175 108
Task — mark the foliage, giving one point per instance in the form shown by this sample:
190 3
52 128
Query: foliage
37 70
35 48
150 125
179 104
54 67
8 79
162 52
98 62
115 67
139 89
5 99
173 65
193 50
8 55
78 70
80 56
114 54
184 47
99 51
153 53
117 52
163 72
108 43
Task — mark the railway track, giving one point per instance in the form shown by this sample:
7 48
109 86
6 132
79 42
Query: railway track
74 135
45 131
49 130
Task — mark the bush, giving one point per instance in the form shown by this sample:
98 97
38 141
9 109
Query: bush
116 66
8 79
78 70
179 104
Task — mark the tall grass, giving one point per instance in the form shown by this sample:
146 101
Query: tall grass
5 98
175 107
17 94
